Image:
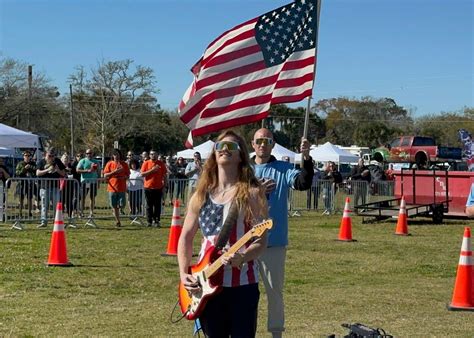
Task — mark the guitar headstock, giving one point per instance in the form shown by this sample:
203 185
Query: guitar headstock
259 229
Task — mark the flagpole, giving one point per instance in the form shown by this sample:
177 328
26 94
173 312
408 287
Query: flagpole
306 118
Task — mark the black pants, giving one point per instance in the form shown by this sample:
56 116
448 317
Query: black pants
135 200
233 312
153 207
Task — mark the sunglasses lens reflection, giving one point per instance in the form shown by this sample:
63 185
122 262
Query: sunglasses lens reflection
231 146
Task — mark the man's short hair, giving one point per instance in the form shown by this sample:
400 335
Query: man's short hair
27 152
117 152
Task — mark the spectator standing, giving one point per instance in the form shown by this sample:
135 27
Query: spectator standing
135 189
89 169
130 156
228 178
193 171
144 157
180 178
277 177
332 178
360 178
51 169
154 172
68 188
4 174
77 178
389 176
26 169
314 192
117 172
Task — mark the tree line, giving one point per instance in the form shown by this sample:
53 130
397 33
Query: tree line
116 101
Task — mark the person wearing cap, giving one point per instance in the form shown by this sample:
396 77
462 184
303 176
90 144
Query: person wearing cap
193 171
50 169
277 177
26 169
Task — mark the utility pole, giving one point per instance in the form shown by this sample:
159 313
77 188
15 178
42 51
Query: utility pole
72 120
30 82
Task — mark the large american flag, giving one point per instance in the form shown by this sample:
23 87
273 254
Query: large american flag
264 61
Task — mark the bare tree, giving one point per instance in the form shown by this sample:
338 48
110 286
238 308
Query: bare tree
107 99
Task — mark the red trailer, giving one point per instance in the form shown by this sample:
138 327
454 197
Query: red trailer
431 193
451 185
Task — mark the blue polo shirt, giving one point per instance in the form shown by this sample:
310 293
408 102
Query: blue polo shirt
284 174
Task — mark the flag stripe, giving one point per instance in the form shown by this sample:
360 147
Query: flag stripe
230 34
206 129
232 64
213 98
228 49
230 74
247 111
294 82
212 112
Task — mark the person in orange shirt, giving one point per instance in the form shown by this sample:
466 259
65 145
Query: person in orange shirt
117 172
154 171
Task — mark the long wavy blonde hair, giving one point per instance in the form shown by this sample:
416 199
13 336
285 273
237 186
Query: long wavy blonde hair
209 180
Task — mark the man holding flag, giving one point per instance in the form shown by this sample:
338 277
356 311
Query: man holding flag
267 60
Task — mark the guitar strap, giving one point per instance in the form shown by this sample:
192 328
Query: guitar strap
227 226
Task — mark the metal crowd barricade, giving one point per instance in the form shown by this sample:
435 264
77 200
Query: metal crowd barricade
177 188
330 198
95 201
35 199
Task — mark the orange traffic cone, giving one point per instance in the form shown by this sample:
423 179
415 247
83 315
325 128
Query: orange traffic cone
175 231
57 249
402 224
345 230
463 294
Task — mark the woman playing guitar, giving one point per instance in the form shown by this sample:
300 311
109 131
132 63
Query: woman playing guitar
227 183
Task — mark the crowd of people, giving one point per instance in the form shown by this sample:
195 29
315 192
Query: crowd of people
75 181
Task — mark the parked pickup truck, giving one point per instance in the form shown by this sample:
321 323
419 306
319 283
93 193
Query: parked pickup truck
416 149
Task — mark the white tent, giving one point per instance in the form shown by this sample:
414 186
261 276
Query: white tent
330 152
15 138
205 149
279 152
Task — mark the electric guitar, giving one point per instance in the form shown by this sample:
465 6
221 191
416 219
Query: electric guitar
192 304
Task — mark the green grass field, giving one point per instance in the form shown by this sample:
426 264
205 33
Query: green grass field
121 285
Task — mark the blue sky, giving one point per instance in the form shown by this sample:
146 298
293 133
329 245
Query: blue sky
418 52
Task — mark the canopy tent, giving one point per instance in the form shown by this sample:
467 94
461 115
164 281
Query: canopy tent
330 152
16 138
279 152
205 149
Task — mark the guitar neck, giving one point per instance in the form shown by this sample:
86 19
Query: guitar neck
212 269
